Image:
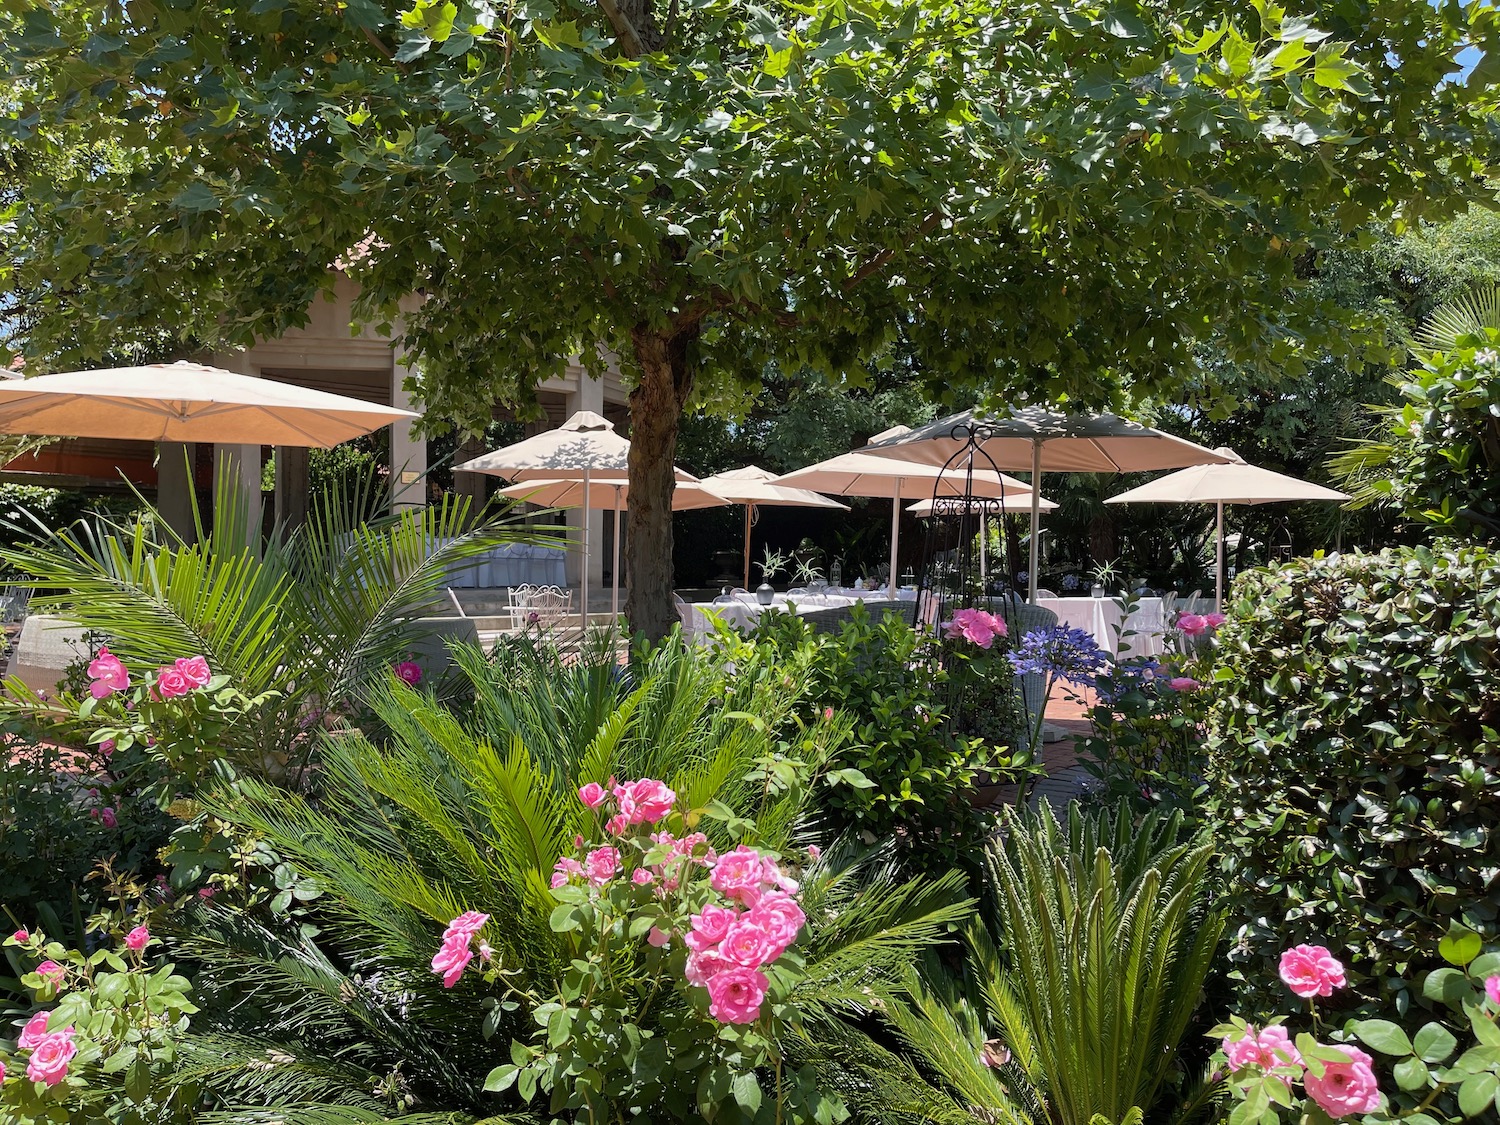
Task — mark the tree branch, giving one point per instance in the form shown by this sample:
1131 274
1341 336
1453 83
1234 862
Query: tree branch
880 260
625 32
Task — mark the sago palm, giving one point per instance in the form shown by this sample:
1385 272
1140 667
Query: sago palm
1097 937
311 615
438 812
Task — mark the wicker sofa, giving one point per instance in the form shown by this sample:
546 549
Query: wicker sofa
832 620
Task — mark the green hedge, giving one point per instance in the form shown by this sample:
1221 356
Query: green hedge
1355 762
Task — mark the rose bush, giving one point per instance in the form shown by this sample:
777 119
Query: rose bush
649 908
1429 1081
104 1037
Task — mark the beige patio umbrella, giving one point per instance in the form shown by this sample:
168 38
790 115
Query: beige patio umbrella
1236 482
754 487
861 474
607 495
186 402
585 448
1043 441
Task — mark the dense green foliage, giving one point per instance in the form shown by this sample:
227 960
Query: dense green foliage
1081 984
701 190
1355 764
447 811
1438 460
919 772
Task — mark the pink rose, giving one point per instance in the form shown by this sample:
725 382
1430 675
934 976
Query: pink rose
975 626
641 877
749 943
827 714
738 875
1183 683
592 795
564 870
658 938
53 973
170 683
137 939
1345 1088
652 800
410 672
814 852
34 1031
617 824
735 994
21 935
1310 970
1269 1048
206 892
1214 620
486 951
108 818
194 670
702 966
602 865
451 959
108 675
709 927
107 747
1491 987
780 916
466 925
1192 624
50 1058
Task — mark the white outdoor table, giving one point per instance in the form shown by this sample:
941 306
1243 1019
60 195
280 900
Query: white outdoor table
1103 619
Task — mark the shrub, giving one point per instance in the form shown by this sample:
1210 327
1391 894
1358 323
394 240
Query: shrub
1430 1078
1355 764
887 679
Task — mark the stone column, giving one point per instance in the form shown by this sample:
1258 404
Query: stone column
291 486
174 486
237 467
408 452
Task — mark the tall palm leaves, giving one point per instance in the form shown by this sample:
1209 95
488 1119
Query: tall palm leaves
312 615
1108 941
1095 944
443 812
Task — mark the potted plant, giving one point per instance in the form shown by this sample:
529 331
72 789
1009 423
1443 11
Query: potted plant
1106 579
771 564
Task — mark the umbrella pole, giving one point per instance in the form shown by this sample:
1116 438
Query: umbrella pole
1036 516
747 546
895 536
614 601
583 577
1219 568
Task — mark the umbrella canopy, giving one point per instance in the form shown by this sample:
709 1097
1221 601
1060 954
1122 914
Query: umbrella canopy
861 474
1044 441
606 496
586 442
1235 482
942 507
753 486
187 402
584 447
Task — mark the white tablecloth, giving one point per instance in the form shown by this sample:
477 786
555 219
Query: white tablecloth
1104 620
744 612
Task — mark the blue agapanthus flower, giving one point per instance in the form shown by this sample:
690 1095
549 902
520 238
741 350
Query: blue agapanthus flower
1060 652
1071 582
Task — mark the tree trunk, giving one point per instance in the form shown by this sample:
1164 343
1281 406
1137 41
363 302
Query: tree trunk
656 406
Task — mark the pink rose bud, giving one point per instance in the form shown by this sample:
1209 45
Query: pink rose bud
108 819
814 852
1491 988
592 795
205 892
137 939
52 972
1183 683
658 938
21 935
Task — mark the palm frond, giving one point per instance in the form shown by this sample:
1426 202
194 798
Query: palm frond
1464 319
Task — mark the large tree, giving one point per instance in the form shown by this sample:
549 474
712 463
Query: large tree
1047 197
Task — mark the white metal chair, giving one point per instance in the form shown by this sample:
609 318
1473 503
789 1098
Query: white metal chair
1041 593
